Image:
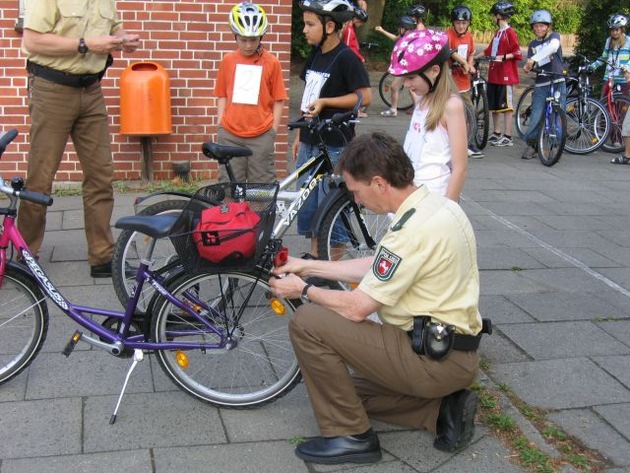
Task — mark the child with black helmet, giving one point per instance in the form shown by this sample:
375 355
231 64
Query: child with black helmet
502 73
544 52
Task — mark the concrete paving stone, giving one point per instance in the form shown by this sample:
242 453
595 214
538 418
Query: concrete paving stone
487 455
616 366
497 348
528 223
519 209
153 420
138 461
60 329
548 258
559 306
67 250
617 222
577 208
618 416
570 279
620 275
574 223
491 195
571 239
63 237
475 188
564 193
288 417
15 388
501 310
570 339
261 457
505 238
620 329
618 237
69 272
84 373
507 282
40 428
54 220
73 219
617 470
593 432
482 221
590 258
505 258
560 384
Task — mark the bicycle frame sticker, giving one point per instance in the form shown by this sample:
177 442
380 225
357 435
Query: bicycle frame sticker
299 202
45 283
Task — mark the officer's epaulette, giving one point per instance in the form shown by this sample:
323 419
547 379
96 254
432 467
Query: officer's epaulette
406 216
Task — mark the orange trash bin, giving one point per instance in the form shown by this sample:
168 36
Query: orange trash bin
145 100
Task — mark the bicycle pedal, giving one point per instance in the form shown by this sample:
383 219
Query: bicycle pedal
76 336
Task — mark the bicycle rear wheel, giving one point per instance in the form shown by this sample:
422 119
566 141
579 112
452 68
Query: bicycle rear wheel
471 124
342 234
552 137
23 322
131 247
587 126
523 112
405 100
258 366
482 113
614 141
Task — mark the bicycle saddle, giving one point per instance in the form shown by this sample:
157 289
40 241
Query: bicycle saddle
224 153
155 226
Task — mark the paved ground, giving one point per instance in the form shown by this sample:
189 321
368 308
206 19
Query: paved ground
555 278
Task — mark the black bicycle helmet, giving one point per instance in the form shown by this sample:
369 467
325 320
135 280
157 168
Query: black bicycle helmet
617 21
503 8
341 11
461 13
407 22
361 15
417 11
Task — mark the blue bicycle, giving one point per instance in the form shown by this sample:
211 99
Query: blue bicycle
553 133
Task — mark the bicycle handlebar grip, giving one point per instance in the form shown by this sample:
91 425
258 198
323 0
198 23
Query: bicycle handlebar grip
340 117
7 138
299 123
36 197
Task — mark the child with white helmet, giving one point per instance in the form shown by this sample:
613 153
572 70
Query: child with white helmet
251 95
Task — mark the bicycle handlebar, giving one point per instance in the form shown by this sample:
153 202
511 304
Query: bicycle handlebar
7 138
337 120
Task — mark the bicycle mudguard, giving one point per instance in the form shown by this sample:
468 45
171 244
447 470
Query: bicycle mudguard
141 199
335 193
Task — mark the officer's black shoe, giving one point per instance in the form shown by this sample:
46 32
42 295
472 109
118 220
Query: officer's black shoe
456 421
363 448
101 270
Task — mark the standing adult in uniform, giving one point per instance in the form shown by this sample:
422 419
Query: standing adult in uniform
68 45
426 265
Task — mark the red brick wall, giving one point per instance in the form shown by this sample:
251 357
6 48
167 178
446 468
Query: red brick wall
188 39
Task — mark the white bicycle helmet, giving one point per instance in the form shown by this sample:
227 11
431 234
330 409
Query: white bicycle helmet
541 16
617 21
341 11
248 20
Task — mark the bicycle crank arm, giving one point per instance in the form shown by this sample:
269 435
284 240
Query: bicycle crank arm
115 348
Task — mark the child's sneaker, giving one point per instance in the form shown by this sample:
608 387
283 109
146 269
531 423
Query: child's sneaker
474 153
504 141
494 137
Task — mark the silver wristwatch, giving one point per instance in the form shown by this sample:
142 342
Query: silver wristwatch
304 296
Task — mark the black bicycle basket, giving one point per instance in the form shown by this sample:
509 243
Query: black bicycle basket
228 242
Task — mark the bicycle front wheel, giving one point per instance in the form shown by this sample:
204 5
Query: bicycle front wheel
405 100
346 230
552 137
23 322
522 117
588 125
614 142
256 367
482 114
471 124
131 247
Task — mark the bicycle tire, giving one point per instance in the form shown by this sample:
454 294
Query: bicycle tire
482 113
23 322
614 142
341 223
588 128
130 247
260 368
523 112
552 138
471 124
405 100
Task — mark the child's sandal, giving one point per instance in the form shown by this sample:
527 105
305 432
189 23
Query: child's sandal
389 113
620 160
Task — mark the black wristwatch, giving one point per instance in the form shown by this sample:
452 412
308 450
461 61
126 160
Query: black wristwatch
82 46
304 296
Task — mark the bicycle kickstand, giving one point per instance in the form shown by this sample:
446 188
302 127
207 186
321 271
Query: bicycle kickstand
138 356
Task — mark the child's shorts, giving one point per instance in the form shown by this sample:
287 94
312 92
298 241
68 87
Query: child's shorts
500 98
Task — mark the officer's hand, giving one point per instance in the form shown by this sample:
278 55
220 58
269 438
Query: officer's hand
104 44
288 287
131 42
292 266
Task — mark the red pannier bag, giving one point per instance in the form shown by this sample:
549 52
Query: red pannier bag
227 231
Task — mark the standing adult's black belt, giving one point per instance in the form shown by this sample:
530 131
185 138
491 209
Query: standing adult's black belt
61 78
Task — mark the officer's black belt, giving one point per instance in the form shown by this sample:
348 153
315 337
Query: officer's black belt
61 78
462 342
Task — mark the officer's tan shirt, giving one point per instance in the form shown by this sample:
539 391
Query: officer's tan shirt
72 19
426 264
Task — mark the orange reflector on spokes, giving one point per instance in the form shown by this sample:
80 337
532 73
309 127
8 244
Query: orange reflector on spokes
182 359
277 306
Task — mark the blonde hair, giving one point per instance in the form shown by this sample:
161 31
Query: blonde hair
436 100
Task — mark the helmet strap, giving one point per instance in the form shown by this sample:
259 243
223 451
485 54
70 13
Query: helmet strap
432 85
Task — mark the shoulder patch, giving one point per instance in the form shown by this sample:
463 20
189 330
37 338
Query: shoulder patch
401 222
385 264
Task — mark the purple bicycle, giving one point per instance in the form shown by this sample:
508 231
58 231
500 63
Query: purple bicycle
218 333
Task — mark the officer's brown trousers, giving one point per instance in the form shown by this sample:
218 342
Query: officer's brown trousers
354 371
58 112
